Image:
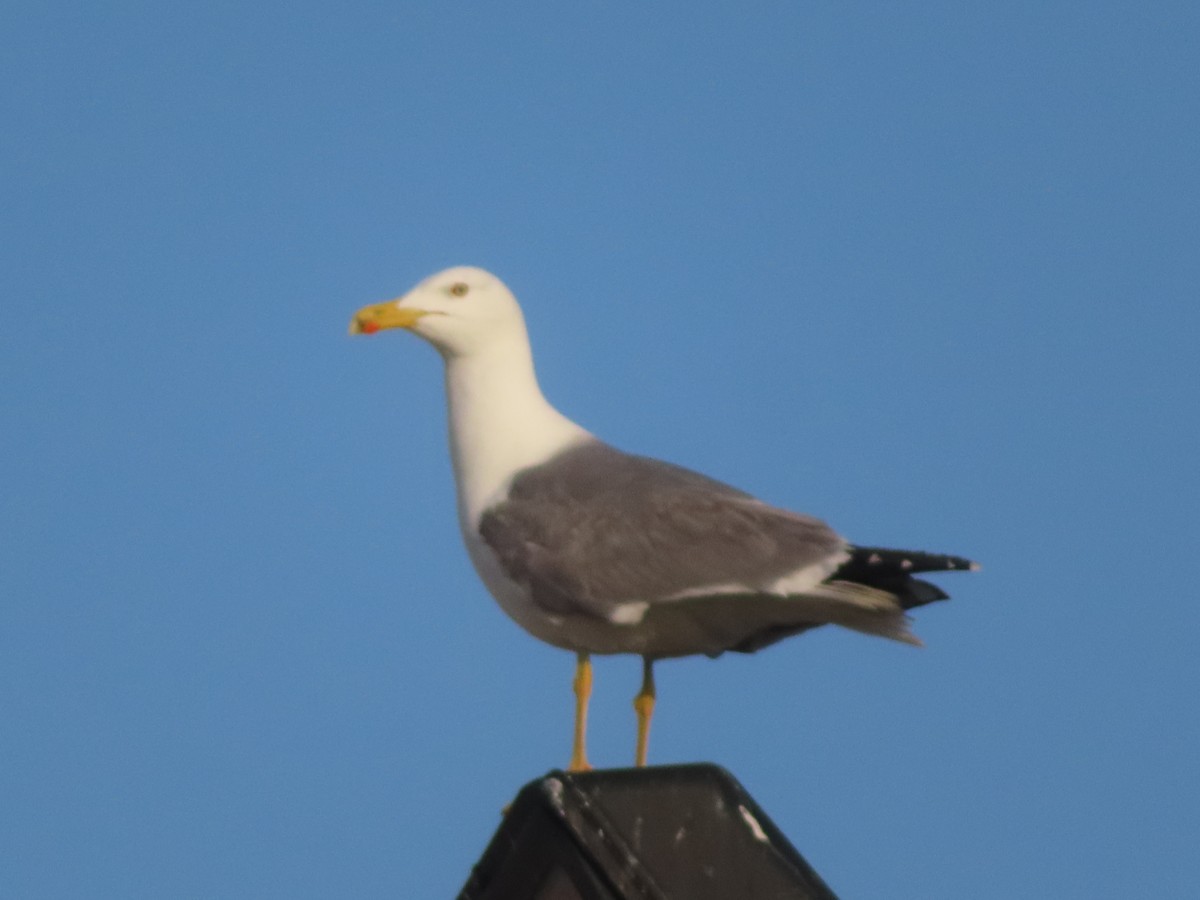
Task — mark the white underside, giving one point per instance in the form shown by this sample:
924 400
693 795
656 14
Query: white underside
500 424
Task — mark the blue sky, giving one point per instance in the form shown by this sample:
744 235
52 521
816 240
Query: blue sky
927 273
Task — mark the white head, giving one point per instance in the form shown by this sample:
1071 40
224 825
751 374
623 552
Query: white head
460 311
499 420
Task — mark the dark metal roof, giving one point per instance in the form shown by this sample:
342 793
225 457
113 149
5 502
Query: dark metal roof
662 833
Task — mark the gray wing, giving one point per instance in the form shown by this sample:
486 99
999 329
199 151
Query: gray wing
594 528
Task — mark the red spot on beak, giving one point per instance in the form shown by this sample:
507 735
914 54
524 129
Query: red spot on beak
368 327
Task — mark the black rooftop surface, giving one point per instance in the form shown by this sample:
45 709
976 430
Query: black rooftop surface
662 833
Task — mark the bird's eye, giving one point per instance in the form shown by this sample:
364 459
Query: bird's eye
459 289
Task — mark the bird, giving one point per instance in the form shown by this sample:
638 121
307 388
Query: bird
598 551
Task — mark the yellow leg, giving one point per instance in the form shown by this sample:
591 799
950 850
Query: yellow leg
583 691
643 705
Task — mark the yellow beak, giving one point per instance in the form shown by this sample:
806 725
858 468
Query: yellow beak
379 316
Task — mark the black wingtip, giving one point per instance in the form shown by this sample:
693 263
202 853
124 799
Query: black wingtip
908 561
893 571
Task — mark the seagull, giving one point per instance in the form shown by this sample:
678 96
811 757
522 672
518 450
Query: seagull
598 551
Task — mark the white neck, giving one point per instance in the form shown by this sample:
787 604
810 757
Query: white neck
499 422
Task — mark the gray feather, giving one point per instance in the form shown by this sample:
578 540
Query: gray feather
594 528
